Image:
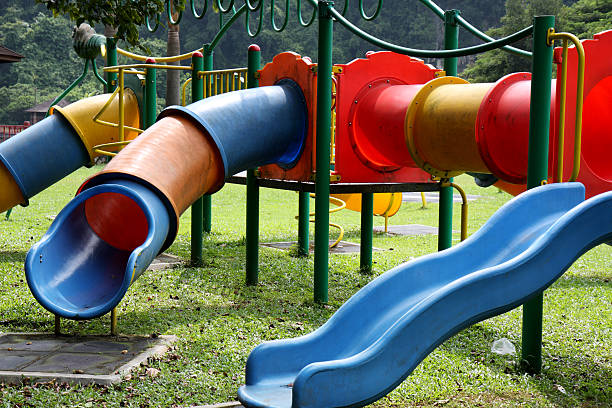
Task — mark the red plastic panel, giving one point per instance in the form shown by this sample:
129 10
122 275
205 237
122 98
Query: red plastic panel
370 116
595 168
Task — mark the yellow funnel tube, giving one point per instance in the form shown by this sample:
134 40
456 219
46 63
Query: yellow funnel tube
81 115
440 127
10 195
384 203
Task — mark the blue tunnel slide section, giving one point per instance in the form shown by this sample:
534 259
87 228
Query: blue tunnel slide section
75 273
377 338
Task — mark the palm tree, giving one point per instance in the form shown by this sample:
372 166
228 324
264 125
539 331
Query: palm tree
173 77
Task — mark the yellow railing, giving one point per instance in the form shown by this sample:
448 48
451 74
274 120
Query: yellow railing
224 80
565 37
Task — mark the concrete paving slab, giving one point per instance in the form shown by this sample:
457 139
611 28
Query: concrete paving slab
343 247
434 197
75 359
165 261
407 230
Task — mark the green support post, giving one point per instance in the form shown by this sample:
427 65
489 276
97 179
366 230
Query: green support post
445 211
304 224
111 61
252 189
324 90
197 93
367 225
150 95
537 172
206 199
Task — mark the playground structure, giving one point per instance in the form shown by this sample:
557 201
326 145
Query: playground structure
129 212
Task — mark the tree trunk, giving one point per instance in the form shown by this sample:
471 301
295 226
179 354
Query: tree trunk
173 77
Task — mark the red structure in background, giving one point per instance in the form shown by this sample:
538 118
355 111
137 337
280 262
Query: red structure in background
8 131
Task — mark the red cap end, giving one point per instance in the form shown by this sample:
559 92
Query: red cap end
150 61
254 47
197 54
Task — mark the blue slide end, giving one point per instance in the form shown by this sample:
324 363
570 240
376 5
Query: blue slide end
90 282
377 338
253 127
43 154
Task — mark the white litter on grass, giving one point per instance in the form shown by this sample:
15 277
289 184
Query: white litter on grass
503 346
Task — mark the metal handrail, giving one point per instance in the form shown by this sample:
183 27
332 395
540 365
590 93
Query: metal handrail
565 37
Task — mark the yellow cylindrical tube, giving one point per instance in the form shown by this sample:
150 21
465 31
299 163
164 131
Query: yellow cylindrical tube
384 203
81 114
10 194
440 127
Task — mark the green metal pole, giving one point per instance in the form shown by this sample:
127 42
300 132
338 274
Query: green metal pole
206 199
445 210
367 224
150 94
111 61
537 171
304 224
197 93
252 189
324 90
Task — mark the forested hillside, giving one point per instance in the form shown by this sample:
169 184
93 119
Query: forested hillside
51 64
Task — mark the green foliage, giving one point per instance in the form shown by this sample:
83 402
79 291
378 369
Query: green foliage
125 15
583 18
519 14
587 17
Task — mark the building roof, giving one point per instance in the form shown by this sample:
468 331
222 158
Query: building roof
7 55
44 106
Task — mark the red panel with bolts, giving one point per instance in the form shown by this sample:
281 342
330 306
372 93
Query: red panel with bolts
370 111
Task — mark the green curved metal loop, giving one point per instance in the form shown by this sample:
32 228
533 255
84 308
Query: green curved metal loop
476 32
221 23
169 12
194 11
148 23
345 8
273 15
363 12
227 9
460 52
248 22
256 7
94 68
226 26
473 30
70 87
301 19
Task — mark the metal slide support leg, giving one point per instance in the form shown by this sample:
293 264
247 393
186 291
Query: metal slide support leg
537 172
206 199
304 224
252 189
324 89
445 214
367 225
197 93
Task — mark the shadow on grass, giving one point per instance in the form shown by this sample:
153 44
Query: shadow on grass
12 256
569 281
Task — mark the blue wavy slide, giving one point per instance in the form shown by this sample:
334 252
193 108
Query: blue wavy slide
375 340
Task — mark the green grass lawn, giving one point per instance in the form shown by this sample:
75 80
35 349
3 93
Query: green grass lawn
218 320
